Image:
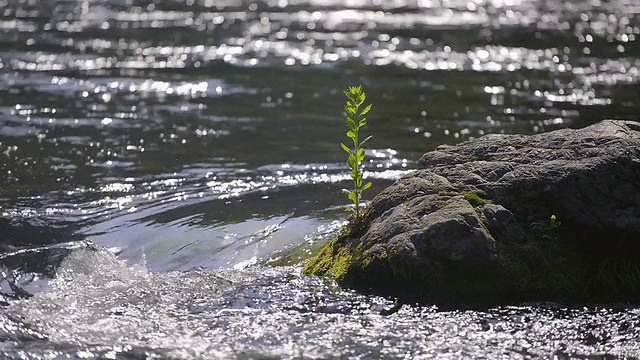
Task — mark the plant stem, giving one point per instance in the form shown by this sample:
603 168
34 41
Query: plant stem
355 120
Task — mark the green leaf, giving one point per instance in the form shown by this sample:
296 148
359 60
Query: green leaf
351 134
365 140
346 148
351 95
361 98
536 226
361 153
362 122
351 123
366 186
353 196
366 110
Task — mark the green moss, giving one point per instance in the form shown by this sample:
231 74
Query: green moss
448 193
320 264
475 197
443 204
335 259
341 264
331 261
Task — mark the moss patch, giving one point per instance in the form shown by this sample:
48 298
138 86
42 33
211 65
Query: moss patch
335 259
475 197
448 193
331 261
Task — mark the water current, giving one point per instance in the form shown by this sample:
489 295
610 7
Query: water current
157 158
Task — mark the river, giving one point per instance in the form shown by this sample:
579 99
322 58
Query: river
165 166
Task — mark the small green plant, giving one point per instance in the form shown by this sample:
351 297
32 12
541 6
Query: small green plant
355 120
546 230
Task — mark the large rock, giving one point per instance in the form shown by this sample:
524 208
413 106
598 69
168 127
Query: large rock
473 224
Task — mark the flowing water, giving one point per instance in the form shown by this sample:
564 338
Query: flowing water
158 157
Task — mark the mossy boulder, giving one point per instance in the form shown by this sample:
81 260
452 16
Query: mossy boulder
459 229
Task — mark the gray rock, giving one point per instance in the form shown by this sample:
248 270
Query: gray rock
459 228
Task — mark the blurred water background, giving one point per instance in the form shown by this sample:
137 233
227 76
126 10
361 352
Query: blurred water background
157 157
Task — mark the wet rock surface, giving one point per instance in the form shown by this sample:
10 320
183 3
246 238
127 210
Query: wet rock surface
473 224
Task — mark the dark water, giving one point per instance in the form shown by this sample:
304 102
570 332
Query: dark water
155 156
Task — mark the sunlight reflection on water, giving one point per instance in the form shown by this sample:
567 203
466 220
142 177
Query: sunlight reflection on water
98 299
100 106
205 133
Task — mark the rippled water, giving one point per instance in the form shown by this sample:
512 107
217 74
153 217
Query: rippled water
197 140
116 310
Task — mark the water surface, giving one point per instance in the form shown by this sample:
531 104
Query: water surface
155 156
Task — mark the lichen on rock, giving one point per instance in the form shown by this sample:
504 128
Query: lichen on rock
457 230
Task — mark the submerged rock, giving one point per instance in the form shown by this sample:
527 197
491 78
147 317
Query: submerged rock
474 224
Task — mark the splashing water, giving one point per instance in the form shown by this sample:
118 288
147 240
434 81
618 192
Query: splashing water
100 306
